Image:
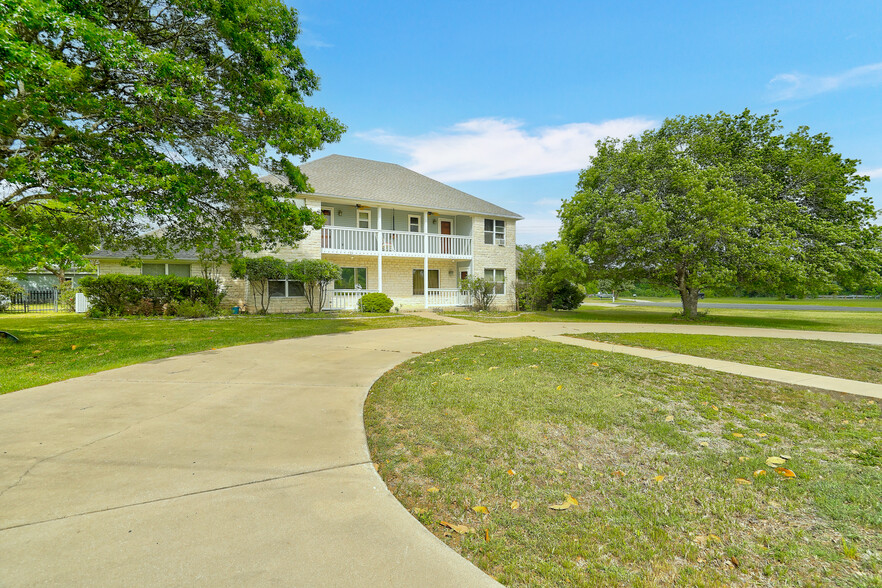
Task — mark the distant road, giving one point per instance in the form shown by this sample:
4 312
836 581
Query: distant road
754 306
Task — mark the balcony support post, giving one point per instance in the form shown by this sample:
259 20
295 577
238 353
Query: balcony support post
380 248
426 258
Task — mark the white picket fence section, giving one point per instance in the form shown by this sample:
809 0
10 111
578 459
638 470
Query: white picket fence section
353 241
81 303
439 297
346 299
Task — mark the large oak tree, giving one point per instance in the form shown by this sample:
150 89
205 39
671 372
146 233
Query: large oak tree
142 114
724 200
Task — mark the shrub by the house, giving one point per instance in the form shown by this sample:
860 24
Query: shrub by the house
118 294
375 302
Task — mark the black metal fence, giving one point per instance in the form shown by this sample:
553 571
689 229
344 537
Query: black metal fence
32 301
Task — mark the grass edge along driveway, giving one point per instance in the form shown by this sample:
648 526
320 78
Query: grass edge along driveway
57 347
546 464
852 361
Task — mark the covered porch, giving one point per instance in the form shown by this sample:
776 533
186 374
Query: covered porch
412 283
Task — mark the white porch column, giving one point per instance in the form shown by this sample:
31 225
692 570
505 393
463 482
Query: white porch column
426 258
472 257
379 248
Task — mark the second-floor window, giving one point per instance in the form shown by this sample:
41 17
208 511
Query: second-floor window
364 219
494 231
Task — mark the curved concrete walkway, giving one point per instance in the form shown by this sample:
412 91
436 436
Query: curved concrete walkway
241 466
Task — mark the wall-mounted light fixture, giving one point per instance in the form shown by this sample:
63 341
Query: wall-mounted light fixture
434 221
339 212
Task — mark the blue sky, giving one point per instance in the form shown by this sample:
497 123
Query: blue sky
505 100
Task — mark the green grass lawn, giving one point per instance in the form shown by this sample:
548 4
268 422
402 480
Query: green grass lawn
664 462
854 322
859 302
826 358
59 346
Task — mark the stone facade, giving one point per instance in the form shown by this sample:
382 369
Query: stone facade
398 272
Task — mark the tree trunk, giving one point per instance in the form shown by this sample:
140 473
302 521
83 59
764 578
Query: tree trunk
688 296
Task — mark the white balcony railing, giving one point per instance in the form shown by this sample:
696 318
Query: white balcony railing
439 297
352 241
345 299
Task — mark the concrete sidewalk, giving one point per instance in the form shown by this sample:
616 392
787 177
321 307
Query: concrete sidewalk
240 466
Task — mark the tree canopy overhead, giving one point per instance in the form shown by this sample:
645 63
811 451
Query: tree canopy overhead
724 200
140 114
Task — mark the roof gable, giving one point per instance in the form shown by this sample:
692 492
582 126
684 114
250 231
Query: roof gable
374 181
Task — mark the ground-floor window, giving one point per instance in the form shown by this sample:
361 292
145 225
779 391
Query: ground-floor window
497 276
352 278
418 281
285 288
182 270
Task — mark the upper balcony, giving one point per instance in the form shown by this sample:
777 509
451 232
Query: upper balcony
354 241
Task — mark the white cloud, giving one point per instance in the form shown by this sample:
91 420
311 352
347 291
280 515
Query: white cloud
540 223
792 86
875 174
496 149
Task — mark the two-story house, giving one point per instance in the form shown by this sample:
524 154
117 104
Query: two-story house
391 229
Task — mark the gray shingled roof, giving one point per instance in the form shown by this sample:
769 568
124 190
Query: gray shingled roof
365 180
188 255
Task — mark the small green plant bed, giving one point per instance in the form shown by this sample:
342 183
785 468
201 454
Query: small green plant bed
57 347
809 320
663 464
825 358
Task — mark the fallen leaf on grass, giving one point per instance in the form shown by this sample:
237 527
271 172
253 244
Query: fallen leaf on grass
481 509
714 407
534 366
535 349
758 473
704 443
617 395
560 387
572 500
669 419
595 364
619 473
761 435
434 383
739 435
743 481
515 505
559 471
742 459
468 378
659 478
579 465
461 529
377 467
734 561
784 456
775 461
785 472
510 472
486 534
713 537
495 367
562 506
73 347
433 489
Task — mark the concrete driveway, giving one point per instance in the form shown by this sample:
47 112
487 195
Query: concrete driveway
241 466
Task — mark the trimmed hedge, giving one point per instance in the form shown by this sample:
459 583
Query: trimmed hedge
119 294
375 302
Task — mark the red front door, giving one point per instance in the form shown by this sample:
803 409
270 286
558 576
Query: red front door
326 235
445 230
